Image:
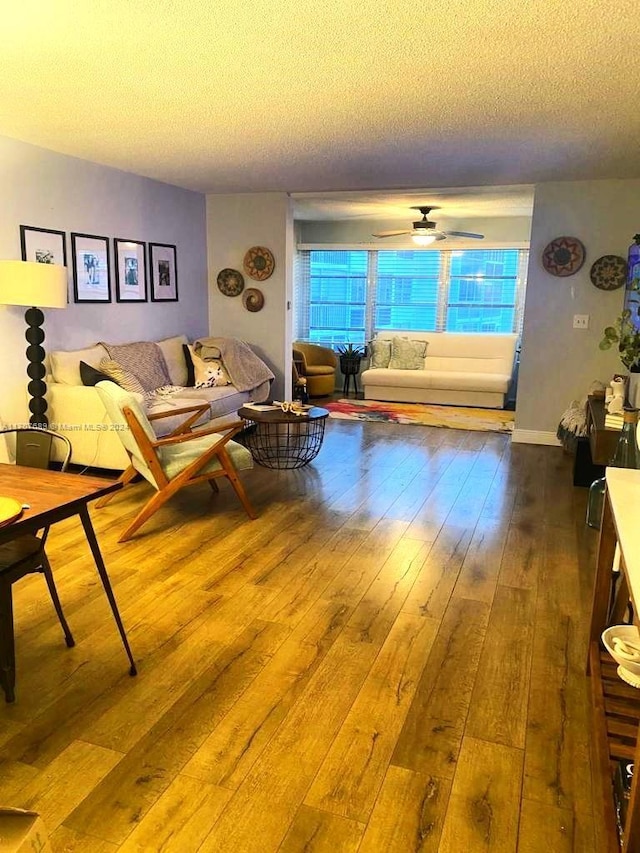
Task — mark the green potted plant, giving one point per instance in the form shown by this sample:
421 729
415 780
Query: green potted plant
351 350
626 333
627 337
350 357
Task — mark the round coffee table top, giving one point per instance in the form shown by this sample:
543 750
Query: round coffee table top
277 416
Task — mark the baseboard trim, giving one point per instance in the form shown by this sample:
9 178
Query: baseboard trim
534 436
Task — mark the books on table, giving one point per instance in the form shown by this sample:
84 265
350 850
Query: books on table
614 420
262 407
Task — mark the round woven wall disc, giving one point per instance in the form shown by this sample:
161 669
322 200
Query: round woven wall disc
230 282
253 299
563 256
258 263
609 272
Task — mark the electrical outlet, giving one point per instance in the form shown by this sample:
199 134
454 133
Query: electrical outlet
580 321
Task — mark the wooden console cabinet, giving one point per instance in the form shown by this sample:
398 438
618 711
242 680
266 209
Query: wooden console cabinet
616 704
602 440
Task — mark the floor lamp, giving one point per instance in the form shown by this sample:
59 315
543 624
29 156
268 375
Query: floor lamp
37 286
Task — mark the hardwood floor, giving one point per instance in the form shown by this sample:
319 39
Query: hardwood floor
390 658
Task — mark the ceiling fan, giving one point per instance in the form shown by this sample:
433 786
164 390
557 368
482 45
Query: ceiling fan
425 232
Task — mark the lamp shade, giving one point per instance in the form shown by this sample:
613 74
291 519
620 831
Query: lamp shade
33 284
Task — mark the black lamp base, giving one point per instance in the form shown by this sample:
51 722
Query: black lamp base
36 370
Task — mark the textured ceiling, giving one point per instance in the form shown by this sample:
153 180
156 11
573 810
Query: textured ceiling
304 96
461 203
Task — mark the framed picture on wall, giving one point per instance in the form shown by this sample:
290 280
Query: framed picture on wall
164 272
91 273
43 245
131 271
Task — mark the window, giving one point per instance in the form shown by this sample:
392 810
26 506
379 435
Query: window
483 291
333 308
407 290
348 295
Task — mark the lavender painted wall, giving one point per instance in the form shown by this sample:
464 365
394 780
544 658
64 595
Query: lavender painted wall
48 190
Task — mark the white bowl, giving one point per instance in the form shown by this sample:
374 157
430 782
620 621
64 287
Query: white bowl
623 644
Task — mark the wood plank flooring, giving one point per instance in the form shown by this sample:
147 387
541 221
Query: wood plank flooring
389 659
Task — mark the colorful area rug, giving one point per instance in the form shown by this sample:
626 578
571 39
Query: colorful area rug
454 417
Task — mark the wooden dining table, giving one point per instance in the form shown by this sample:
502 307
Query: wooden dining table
47 497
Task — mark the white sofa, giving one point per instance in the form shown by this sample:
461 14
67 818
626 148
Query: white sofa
75 410
458 370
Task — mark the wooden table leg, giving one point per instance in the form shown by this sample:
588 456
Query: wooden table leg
602 581
106 583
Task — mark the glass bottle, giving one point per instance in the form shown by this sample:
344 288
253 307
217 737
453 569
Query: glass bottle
595 503
300 392
627 454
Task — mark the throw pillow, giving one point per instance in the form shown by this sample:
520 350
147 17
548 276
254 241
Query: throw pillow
407 354
191 376
65 366
124 378
208 373
91 376
380 351
214 374
145 360
173 354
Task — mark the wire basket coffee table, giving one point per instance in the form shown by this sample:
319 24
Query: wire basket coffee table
278 439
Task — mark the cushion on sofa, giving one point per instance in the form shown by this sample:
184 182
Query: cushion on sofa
145 360
160 403
215 376
172 350
393 377
464 364
437 379
191 373
65 366
91 375
467 381
407 354
209 373
124 378
380 352
223 400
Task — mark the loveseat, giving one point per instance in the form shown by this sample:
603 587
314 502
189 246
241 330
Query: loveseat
76 411
440 367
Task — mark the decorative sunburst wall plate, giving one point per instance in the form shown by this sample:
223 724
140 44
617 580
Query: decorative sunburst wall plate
563 256
258 263
230 282
609 272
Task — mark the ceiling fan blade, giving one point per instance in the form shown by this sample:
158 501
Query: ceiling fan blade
464 234
390 233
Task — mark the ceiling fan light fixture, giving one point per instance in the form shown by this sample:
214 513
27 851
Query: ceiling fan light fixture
423 239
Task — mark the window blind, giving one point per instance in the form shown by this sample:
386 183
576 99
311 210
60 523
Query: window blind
348 295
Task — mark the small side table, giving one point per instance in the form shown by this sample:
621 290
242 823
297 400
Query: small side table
278 439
